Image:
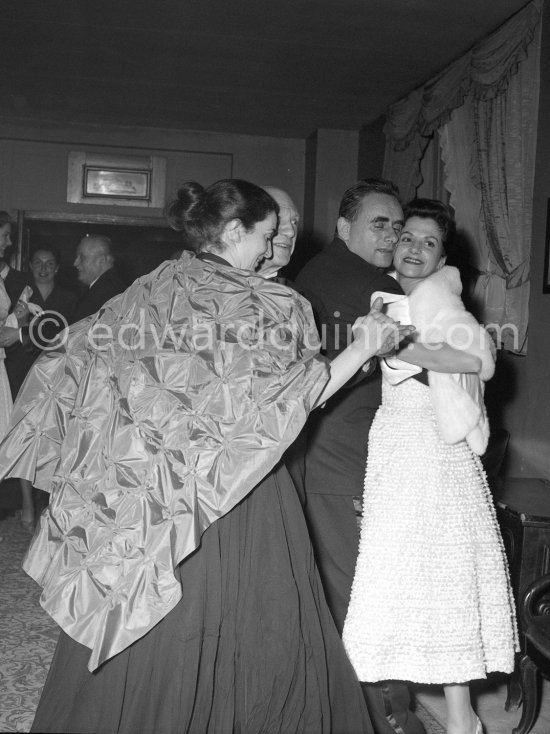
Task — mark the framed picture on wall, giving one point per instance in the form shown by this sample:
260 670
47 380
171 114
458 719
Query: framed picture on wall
125 183
116 180
546 283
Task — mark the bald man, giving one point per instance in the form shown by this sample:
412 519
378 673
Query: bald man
284 241
94 262
283 244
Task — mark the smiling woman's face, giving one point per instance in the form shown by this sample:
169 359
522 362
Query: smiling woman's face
419 251
256 243
43 266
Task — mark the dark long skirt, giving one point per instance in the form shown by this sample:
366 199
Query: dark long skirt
251 647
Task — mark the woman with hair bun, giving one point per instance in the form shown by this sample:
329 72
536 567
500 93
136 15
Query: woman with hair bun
174 553
431 599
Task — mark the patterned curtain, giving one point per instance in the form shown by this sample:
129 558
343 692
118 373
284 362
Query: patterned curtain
484 107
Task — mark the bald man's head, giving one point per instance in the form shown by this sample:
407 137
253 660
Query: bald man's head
94 256
284 240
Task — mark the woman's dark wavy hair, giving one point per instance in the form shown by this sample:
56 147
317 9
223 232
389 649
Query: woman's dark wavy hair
46 248
443 216
201 214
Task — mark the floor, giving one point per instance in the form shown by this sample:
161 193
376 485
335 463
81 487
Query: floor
28 637
489 698
27 634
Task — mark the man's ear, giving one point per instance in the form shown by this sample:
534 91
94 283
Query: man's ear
342 227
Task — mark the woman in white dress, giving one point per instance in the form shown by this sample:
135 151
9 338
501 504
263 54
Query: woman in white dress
431 599
5 394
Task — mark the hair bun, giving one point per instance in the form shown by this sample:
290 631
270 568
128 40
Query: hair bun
202 214
185 208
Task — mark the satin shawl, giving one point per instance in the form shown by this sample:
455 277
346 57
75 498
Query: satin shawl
155 418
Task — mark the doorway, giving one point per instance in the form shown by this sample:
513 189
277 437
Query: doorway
139 244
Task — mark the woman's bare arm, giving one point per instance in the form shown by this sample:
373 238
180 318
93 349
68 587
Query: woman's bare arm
439 357
374 334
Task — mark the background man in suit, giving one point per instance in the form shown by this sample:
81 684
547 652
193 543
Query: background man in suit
94 262
343 277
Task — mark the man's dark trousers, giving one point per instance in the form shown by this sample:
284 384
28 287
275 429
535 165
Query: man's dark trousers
342 284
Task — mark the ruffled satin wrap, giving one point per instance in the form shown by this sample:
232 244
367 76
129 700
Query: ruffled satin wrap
157 416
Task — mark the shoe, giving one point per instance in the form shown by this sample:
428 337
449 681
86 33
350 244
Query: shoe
27 525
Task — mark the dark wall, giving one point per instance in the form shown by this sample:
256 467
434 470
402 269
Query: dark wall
372 143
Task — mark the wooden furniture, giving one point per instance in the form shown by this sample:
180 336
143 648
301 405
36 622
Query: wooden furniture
534 614
523 510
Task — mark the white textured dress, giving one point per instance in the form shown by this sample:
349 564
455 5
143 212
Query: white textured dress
431 599
5 394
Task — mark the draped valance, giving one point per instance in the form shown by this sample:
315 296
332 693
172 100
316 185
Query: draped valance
479 115
482 72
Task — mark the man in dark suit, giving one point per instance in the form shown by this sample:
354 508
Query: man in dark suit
94 262
343 278
282 247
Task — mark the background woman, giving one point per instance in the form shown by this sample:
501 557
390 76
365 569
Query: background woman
431 601
44 266
58 302
9 332
5 393
174 545
15 284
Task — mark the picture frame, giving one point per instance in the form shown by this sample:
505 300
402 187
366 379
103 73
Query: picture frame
546 281
116 180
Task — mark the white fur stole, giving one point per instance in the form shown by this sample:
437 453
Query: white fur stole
437 311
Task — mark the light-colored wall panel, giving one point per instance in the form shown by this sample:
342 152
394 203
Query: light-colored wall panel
33 161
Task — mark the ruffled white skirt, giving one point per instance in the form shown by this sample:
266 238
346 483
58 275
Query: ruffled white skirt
431 599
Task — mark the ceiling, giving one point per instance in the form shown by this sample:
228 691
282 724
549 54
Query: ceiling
280 68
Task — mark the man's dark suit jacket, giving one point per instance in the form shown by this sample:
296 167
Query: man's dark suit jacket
294 457
106 286
14 282
338 433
